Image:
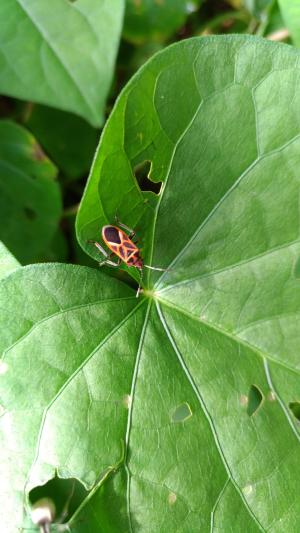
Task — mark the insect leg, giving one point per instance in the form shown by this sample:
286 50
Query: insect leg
130 230
140 285
107 256
100 248
110 263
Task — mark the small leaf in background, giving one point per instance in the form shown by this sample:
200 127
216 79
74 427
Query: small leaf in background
257 7
146 19
290 10
57 250
276 27
67 139
7 261
30 201
60 53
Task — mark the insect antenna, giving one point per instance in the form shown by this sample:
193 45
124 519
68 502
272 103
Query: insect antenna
157 268
140 283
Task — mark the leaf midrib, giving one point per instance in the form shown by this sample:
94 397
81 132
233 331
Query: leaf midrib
228 268
77 370
206 413
250 167
210 325
58 313
130 410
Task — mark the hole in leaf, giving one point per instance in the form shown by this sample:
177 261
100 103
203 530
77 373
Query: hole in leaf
181 413
295 408
66 495
141 172
255 399
30 213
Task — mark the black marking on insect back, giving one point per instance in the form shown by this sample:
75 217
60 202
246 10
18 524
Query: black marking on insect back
135 259
122 252
111 234
129 245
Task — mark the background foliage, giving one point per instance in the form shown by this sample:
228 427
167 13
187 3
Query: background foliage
166 407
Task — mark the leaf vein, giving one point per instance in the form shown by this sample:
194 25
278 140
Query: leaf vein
129 420
56 54
58 313
73 375
234 338
228 268
206 412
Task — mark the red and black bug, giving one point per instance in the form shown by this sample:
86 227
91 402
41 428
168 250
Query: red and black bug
122 246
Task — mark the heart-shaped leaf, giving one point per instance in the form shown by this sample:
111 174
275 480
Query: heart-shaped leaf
30 201
178 410
60 53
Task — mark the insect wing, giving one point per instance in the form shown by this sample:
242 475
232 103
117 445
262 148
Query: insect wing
118 242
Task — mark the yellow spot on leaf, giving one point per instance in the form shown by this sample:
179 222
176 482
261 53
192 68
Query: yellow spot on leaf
172 498
247 490
127 399
271 396
3 368
244 400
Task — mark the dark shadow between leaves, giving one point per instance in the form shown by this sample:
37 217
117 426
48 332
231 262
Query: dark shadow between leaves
142 172
66 495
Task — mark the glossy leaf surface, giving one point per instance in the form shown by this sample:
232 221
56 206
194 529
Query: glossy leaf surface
60 53
30 200
174 409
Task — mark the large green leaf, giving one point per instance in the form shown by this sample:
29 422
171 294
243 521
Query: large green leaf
60 53
146 19
30 200
178 410
290 10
